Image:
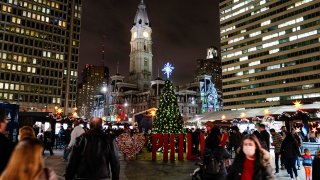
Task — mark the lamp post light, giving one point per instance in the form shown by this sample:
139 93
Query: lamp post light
104 90
153 114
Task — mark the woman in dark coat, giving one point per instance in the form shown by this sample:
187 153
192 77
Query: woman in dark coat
252 162
290 150
214 150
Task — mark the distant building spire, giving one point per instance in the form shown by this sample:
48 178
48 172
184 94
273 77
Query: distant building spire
102 50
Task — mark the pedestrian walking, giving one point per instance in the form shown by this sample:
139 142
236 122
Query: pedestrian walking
307 163
290 150
26 163
91 154
76 132
265 135
276 142
6 146
316 166
48 140
299 141
252 162
283 135
217 153
234 139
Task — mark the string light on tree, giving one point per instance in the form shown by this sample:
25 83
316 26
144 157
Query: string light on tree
168 118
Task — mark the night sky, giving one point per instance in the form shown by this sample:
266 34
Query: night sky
181 32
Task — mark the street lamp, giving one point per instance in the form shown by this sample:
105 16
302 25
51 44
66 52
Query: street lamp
104 90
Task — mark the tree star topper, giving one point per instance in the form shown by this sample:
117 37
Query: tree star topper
167 69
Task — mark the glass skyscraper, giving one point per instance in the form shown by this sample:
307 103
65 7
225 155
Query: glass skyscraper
39 53
270 52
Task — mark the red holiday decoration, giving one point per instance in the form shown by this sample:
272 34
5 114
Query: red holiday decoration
130 146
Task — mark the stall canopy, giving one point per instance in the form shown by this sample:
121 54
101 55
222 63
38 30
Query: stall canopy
252 113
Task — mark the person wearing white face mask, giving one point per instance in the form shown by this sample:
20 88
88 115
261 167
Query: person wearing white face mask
252 162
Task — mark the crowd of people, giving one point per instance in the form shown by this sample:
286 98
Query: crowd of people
92 154
252 154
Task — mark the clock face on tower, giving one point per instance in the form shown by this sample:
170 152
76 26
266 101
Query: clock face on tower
145 34
134 35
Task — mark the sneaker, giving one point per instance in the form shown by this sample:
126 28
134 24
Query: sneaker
298 168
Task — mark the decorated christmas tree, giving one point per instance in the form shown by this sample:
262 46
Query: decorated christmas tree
168 118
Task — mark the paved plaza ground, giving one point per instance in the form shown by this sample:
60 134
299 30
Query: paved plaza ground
147 169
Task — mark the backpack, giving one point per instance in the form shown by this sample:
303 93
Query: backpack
213 166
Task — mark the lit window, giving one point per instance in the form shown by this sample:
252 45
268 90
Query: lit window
4 56
254 63
313 95
296 97
13 19
11 86
270 99
1 85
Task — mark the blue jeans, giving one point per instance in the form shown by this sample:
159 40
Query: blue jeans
66 153
298 162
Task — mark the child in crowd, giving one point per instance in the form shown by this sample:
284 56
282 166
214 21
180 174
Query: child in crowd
307 163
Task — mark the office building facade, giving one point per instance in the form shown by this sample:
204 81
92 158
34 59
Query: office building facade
39 53
93 84
270 52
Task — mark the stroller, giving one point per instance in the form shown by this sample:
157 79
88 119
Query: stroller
197 174
210 170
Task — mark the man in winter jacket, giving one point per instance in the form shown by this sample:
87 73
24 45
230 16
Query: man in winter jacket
234 139
91 155
265 135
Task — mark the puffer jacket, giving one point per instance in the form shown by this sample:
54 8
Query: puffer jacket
262 171
91 156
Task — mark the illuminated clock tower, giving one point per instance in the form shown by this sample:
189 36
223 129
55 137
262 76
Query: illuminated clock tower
141 50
